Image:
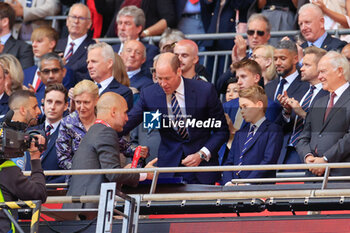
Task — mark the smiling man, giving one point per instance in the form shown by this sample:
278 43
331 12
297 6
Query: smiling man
325 137
311 23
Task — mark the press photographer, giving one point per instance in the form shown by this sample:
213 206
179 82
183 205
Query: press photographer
13 184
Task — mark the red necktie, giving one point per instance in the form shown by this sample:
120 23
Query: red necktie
330 106
37 84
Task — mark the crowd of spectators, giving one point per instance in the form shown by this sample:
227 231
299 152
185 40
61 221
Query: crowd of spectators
286 102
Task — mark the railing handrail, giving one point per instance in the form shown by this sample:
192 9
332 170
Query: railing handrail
192 169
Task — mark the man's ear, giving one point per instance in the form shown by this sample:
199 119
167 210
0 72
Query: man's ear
22 110
257 78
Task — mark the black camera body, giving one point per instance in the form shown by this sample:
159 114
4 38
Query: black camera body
14 141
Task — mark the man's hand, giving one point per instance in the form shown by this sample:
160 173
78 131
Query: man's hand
283 99
192 160
33 150
239 49
297 107
151 165
318 171
17 7
144 152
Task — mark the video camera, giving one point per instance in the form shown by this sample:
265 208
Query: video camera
14 142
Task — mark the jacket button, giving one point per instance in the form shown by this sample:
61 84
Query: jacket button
320 136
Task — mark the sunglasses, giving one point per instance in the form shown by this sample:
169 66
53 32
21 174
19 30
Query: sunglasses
47 71
252 32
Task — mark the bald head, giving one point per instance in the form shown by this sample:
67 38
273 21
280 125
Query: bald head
168 72
188 43
133 54
112 108
187 51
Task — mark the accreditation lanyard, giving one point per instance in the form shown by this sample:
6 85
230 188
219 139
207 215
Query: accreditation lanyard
98 121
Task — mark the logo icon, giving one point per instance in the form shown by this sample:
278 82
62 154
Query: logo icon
151 120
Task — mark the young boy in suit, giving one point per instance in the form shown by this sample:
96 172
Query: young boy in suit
258 142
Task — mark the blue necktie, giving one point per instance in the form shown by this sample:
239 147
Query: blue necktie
245 146
182 131
299 120
29 3
280 88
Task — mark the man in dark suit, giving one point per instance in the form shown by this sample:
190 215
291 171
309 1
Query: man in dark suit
289 80
130 23
20 49
309 73
134 55
178 101
99 150
75 46
325 137
50 70
4 107
55 103
311 23
100 63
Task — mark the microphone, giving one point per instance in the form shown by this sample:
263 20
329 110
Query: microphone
8 117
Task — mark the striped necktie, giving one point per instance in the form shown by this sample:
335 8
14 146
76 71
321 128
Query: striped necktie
182 131
48 130
299 120
70 51
245 146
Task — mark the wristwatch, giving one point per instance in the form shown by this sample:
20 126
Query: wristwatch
203 156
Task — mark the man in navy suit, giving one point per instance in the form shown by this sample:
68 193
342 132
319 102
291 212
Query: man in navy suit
75 46
309 73
18 48
311 23
248 73
131 21
259 142
134 55
51 70
100 62
176 100
55 103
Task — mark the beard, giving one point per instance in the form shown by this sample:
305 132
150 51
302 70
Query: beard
285 72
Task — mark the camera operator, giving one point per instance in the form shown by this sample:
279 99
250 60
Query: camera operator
26 113
14 185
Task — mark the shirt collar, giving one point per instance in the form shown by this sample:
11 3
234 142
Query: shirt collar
318 43
291 77
77 42
259 122
181 88
318 86
54 125
104 84
4 38
133 72
341 89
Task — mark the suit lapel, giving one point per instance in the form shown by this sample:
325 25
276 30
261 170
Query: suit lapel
9 44
326 41
190 98
293 87
51 143
343 99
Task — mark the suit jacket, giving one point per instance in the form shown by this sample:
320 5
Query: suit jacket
290 126
77 62
201 103
122 90
140 81
272 112
330 43
151 52
264 148
4 107
331 138
296 89
97 150
21 50
49 159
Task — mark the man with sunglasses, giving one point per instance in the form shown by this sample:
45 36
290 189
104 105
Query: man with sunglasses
258 33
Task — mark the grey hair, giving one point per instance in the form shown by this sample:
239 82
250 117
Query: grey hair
287 44
172 35
50 57
136 13
338 60
106 50
310 6
262 17
80 5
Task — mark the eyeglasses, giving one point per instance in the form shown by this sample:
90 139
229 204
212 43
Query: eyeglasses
252 32
152 70
47 71
79 18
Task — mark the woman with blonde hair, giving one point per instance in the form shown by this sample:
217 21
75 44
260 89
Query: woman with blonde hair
13 73
263 55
